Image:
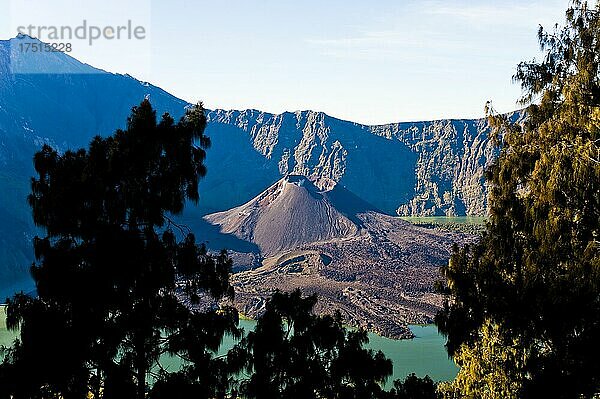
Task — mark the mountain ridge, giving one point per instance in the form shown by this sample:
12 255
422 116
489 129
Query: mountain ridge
442 172
425 168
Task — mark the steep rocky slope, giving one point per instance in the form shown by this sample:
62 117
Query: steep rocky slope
290 213
377 270
412 169
62 102
423 168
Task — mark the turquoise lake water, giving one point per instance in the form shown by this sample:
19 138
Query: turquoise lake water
422 355
6 337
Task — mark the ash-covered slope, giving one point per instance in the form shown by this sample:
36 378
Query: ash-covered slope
290 213
377 270
424 168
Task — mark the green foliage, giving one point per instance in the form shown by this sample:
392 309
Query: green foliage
110 302
493 367
467 224
524 317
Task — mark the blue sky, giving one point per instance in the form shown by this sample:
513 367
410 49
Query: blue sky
370 62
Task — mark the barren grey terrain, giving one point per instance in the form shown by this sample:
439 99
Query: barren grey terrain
413 168
377 270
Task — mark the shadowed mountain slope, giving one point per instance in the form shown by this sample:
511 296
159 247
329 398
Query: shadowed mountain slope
424 168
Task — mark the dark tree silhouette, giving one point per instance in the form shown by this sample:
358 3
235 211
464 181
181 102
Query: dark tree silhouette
295 354
116 278
524 315
414 387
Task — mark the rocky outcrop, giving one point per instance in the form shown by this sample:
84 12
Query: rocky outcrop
424 168
453 156
378 271
414 169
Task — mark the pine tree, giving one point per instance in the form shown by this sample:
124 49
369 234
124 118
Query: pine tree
413 387
293 353
116 277
524 316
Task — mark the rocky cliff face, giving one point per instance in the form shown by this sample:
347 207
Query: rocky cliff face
452 158
425 168
322 148
420 169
